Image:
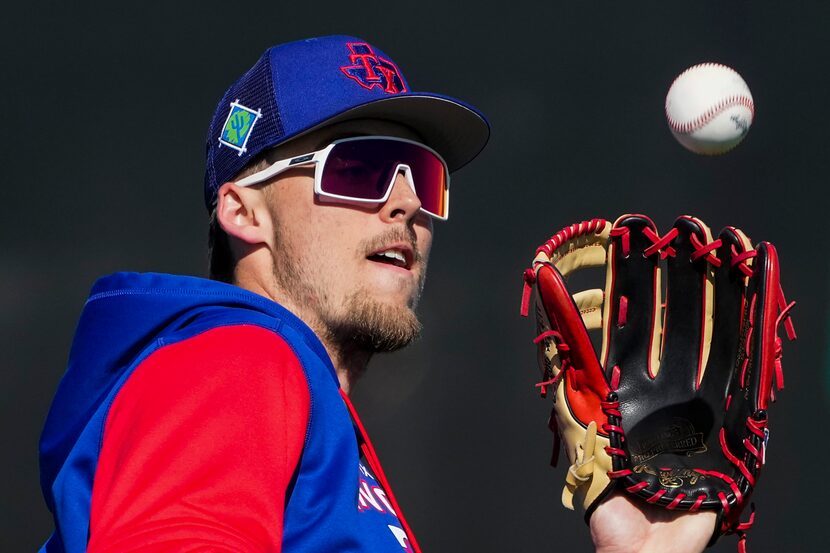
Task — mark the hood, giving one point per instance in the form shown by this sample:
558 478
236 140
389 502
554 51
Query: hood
126 313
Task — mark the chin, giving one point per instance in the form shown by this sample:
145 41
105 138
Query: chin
376 325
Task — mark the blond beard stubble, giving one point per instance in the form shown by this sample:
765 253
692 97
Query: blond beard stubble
361 322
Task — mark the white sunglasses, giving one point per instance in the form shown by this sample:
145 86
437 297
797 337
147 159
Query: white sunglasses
363 169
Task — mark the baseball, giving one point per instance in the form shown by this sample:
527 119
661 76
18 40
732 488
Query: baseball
709 108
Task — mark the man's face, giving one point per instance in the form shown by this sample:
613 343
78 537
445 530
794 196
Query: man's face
339 266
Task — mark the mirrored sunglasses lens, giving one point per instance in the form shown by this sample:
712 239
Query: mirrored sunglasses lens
362 169
430 178
356 170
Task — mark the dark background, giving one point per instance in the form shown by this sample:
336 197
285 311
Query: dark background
104 111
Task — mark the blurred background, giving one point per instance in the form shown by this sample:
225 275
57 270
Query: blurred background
104 114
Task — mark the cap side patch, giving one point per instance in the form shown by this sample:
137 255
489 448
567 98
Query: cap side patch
238 126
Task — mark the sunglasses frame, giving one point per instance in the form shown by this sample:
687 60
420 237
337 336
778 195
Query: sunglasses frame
319 157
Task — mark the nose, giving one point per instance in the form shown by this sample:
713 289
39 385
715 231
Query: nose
403 203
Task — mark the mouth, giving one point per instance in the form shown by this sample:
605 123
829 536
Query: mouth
397 255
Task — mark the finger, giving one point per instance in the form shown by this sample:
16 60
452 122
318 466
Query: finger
745 430
730 285
687 329
631 322
757 364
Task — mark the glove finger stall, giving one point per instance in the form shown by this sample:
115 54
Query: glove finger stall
632 323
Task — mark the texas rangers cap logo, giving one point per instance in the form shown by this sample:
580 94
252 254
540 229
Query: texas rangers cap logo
369 70
238 126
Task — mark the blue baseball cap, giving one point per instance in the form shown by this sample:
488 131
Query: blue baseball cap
302 86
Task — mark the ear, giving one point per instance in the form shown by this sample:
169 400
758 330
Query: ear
243 213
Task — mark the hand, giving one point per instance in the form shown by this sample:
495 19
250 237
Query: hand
623 525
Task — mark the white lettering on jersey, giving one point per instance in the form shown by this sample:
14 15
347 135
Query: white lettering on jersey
381 495
366 498
400 535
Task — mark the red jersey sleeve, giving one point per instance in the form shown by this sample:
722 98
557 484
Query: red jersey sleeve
200 446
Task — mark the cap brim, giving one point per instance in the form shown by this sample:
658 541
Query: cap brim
455 130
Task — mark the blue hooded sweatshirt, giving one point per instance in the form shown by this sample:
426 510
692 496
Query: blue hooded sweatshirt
127 317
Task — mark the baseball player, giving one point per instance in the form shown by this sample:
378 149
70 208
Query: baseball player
213 414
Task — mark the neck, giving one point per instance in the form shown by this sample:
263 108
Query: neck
349 362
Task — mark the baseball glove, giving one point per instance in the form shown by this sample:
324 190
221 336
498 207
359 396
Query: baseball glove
674 412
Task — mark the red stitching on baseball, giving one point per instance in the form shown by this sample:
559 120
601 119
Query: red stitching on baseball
707 116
